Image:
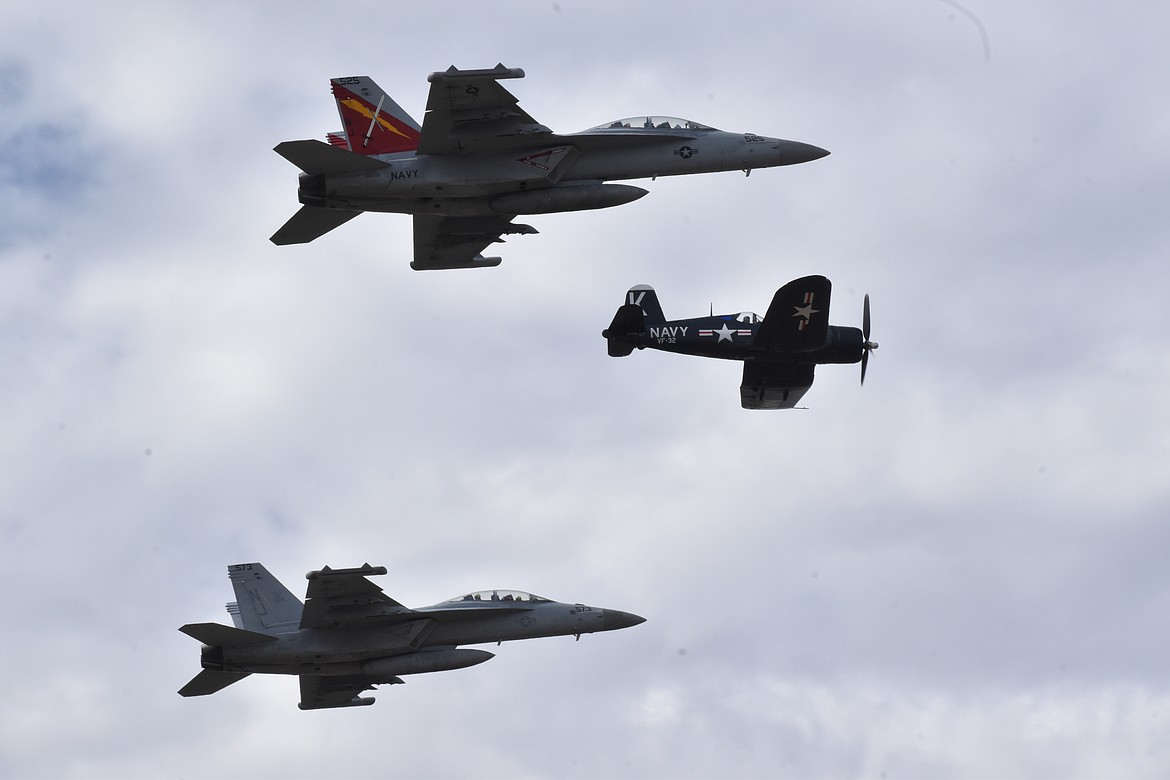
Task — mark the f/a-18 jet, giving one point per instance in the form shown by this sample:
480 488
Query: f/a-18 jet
349 636
478 160
779 350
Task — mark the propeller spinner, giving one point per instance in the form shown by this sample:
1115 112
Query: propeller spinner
867 345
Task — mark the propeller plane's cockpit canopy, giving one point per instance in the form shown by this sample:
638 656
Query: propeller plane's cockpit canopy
651 123
499 595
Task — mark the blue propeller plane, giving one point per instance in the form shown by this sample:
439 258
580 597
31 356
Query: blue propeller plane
779 350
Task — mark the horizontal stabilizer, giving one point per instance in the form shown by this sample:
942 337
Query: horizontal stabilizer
217 635
318 158
209 681
309 223
619 348
628 323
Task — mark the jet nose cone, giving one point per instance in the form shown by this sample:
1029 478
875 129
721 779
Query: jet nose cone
795 152
613 619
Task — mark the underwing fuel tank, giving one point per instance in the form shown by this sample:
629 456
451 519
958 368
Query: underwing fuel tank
574 197
425 661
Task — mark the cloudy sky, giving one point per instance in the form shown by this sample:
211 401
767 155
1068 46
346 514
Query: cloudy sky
957 571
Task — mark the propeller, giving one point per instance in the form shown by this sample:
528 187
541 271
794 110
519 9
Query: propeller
867 345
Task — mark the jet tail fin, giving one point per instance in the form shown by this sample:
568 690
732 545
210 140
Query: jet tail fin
209 681
265 605
372 122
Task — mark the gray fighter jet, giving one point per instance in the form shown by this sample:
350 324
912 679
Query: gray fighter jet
348 636
478 160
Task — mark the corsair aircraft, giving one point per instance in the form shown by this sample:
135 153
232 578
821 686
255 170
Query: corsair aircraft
348 636
779 350
478 160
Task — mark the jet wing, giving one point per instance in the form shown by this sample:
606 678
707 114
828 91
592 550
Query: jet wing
770 385
319 693
340 597
797 319
456 242
468 110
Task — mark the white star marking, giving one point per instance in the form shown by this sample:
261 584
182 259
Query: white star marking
724 333
805 311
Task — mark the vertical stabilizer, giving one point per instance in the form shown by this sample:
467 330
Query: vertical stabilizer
643 296
632 321
234 610
263 603
372 122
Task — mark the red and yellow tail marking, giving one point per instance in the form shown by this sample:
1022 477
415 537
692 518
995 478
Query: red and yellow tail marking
370 130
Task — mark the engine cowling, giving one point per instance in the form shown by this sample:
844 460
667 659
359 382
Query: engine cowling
844 345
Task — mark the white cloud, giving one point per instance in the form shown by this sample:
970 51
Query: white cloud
954 570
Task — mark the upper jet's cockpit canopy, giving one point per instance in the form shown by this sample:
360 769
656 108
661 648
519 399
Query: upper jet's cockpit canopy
499 595
651 123
749 317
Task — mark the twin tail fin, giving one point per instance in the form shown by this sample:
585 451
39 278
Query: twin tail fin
372 123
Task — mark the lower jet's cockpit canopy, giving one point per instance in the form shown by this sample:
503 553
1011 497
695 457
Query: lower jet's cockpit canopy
651 123
499 595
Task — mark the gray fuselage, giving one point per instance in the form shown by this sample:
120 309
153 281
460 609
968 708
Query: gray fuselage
428 632
471 183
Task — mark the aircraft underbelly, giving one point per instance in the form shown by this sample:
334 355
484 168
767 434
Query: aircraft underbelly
699 349
384 664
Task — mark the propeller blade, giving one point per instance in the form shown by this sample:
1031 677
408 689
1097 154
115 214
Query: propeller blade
865 318
867 346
